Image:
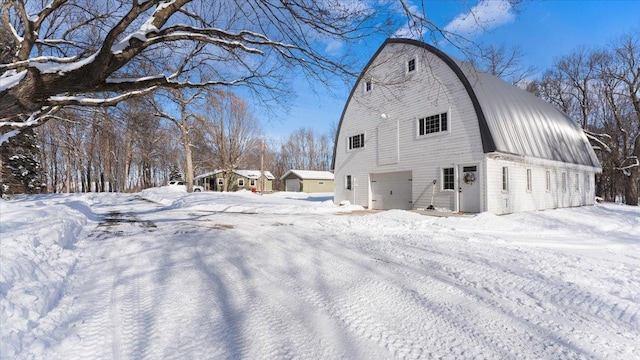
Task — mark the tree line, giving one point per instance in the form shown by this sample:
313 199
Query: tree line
132 147
599 88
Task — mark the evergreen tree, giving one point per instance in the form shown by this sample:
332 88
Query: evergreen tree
175 173
20 169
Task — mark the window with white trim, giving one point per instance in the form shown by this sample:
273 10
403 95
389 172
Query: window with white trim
356 141
367 86
448 179
252 182
529 185
220 181
432 124
505 178
240 182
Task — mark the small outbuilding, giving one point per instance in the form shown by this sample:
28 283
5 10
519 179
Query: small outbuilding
252 180
421 129
308 181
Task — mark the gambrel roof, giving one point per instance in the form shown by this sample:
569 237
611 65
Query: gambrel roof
510 120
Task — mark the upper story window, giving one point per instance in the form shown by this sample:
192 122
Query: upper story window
367 86
432 124
356 141
411 65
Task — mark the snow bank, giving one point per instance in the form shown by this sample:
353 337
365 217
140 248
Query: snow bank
247 202
35 258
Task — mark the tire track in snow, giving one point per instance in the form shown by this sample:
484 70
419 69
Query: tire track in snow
550 309
268 326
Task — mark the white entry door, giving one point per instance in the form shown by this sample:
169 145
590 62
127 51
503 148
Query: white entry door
391 191
469 188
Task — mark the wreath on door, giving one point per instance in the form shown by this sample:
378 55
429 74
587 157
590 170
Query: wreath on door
469 178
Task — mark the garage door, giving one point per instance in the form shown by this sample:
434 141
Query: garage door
292 185
391 191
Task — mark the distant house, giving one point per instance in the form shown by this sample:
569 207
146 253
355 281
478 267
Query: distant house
442 133
308 181
238 180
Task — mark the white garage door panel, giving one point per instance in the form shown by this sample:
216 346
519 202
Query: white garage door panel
292 185
391 191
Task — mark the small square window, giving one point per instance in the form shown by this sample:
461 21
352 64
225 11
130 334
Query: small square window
448 179
320 182
240 182
220 181
356 141
411 65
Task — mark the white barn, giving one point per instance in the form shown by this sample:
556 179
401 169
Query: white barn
423 129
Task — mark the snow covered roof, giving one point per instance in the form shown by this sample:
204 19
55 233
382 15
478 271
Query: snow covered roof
207 174
249 174
511 120
254 174
310 174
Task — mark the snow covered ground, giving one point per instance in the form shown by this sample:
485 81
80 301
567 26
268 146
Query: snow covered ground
168 275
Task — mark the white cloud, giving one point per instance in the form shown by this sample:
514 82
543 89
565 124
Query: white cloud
487 14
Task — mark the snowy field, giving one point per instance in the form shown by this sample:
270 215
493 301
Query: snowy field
168 275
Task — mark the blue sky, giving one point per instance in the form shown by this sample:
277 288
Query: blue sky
544 31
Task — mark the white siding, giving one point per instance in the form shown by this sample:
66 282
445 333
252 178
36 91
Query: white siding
539 198
434 88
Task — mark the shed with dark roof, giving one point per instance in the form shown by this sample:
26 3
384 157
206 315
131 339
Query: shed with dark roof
422 129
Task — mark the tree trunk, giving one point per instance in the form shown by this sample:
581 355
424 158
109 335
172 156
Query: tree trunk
631 188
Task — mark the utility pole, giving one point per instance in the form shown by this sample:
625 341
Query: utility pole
261 166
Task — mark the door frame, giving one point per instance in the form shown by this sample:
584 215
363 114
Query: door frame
459 173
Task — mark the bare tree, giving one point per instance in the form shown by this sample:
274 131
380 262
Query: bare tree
306 150
186 102
86 53
503 62
621 85
230 129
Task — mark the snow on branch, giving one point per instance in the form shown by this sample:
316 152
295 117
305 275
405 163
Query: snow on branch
635 162
595 138
36 119
39 59
86 101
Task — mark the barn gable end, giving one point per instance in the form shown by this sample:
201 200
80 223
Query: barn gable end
437 132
